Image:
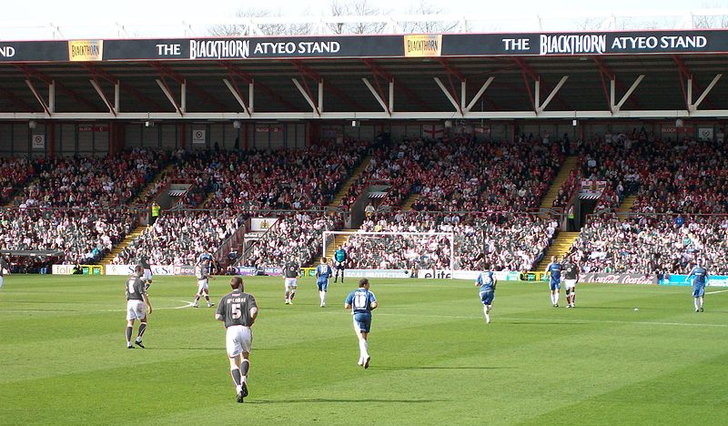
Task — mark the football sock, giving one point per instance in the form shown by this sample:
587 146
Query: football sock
288 295
129 330
293 294
696 302
197 298
244 368
142 329
235 373
322 295
364 349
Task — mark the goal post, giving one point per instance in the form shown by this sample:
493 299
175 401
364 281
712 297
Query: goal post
329 237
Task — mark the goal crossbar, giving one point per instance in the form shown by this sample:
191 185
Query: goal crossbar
422 234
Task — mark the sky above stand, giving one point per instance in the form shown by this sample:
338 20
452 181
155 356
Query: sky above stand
23 19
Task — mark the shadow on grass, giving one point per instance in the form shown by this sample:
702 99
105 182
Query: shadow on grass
546 322
345 401
441 368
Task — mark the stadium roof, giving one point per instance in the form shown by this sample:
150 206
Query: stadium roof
662 74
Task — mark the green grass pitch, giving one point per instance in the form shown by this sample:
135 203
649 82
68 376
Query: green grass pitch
434 360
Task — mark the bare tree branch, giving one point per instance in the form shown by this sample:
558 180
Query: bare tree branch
428 27
266 29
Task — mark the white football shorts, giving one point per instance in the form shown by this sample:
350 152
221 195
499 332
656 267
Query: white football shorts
136 309
147 275
202 285
569 284
238 339
291 283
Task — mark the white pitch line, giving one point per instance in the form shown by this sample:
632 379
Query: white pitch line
717 291
578 321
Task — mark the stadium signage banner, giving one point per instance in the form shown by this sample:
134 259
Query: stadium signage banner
682 280
236 48
378 273
33 51
618 278
156 270
258 224
129 269
370 46
85 50
62 269
422 45
473 275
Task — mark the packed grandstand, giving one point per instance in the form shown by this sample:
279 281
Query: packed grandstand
485 192
486 151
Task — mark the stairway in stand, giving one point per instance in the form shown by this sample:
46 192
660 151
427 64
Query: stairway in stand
122 245
355 175
151 185
626 205
559 247
18 198
570 163
407 203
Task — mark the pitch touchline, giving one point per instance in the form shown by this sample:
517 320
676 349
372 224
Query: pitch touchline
562 319
717 291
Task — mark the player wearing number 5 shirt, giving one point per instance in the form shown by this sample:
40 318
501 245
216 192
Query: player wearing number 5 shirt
137 307
362 302
238 311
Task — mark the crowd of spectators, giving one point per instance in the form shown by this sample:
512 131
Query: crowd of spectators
652 244
83 236
109 181
506 241
14 174
179 238
462 174
267 180
296 237
688 176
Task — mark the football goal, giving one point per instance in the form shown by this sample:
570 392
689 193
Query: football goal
393 250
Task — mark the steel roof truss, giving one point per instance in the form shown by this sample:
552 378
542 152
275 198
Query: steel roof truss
449 96
112 108
479 94
385 107
51 94
168 93
617 107
540 107
305 91
235 91
693 106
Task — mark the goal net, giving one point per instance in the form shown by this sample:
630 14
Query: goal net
393 250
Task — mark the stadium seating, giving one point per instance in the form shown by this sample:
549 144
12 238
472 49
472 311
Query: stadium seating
91 181
180 237
14 174
667 176
83 235
650 243
296 237
462 174
261 180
